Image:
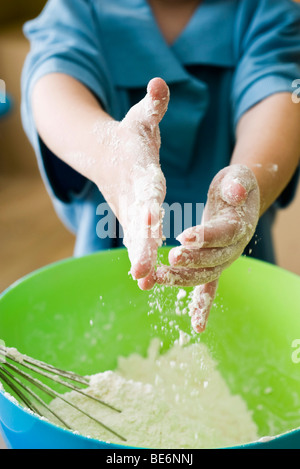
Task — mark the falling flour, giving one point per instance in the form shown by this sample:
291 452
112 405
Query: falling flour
175 400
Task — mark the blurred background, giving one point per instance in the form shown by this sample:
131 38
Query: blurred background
31 235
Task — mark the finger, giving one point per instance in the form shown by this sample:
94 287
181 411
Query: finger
201 304
185 256
144 240
186 277
159 95
142 250
143 256
148 282
150 111
216 233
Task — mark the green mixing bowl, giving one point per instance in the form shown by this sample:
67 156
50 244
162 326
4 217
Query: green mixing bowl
253 334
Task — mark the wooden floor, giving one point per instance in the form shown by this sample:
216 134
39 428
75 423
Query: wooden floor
31 236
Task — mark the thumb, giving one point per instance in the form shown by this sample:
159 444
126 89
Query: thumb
237 184
151 110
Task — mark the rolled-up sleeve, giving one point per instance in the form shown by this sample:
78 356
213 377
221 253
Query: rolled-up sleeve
63 39
267 46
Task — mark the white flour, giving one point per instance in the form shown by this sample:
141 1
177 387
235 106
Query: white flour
172 401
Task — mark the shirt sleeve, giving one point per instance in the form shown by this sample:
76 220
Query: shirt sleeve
63 39
267 46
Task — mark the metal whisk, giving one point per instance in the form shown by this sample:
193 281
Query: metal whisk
10 374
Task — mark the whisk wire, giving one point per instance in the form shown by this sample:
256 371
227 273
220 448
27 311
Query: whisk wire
52 373
13 379
20 358
55 376
17 391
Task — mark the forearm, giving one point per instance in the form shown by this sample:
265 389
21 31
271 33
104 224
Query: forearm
66 113
268 142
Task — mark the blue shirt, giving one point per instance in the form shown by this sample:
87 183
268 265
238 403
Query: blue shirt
231 55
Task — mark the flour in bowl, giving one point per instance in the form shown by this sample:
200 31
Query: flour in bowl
176 400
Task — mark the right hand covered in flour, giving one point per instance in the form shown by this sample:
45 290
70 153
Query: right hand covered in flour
229 222
131 179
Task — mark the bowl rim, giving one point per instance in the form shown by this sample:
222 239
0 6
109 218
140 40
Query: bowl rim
44 420
243 258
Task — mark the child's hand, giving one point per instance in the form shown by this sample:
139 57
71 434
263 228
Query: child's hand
229 222
130 177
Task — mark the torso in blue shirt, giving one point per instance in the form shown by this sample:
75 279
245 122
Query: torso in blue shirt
231 55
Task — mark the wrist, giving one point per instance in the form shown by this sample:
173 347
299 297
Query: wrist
100 143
